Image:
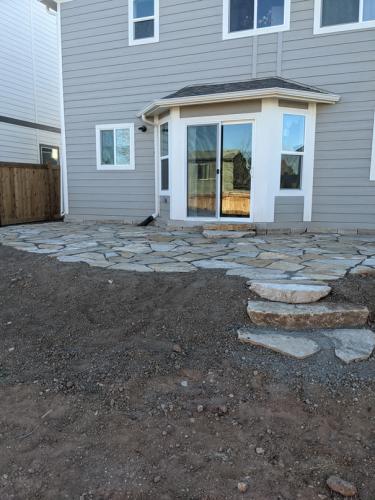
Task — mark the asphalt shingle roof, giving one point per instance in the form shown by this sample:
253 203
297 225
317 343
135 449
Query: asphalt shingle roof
255 84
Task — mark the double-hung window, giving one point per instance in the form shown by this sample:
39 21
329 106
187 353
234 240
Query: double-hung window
293 149
143 21
340 15
253 17
164 158
115 147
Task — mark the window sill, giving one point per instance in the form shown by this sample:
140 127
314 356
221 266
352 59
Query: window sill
290 192
108 168
318 30
254 32
144 41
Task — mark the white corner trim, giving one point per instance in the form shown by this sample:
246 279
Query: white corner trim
63 161
131 21
319 30
114 126
372 167
227 35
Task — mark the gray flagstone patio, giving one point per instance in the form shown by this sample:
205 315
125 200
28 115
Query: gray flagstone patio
318 257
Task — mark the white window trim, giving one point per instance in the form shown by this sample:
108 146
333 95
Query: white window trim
132 21
113 127
165 192
319 30
372 167
227 35
294 191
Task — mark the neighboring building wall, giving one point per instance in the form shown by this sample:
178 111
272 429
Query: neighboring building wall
29 84
107 81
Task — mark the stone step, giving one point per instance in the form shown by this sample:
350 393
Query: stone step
295 347
350 345
306 316
290 293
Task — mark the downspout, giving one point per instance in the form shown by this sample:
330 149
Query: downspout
63 164
157 199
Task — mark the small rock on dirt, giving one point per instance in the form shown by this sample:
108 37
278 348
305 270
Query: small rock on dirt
338 485
242 487
177 348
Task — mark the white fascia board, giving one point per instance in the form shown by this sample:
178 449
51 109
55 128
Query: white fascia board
297 95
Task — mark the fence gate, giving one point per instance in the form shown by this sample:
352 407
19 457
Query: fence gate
29 193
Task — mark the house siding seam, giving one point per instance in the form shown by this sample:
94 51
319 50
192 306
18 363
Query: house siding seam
107 81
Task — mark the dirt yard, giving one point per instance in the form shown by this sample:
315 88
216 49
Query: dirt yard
118 385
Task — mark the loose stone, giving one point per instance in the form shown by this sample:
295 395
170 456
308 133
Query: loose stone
338 485
242 487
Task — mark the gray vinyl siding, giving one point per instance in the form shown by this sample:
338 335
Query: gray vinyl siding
164 208
106 81
289 209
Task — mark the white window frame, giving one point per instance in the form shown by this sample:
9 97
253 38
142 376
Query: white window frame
114 127
309 158
132 21
319 30
165 192
293 153
227 35
372 166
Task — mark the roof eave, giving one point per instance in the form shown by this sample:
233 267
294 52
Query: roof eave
296 95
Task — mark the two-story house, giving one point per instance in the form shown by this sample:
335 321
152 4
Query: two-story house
220 110
29 82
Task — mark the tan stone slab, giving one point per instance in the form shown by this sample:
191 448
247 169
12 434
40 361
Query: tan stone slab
291 293
307 316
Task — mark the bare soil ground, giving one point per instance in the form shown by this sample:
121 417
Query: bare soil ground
96 404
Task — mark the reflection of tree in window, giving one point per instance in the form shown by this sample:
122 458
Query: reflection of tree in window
291 172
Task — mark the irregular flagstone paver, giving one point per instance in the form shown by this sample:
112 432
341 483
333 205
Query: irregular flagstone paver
352 345
297 316
124 266
291 293
175 267
296 347
285 266
215 235
314 257
215 264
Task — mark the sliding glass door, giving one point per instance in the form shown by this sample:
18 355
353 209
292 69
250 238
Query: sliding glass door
236 153
219 160
202 170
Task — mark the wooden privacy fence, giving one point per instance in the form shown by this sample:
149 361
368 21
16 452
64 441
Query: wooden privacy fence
29 193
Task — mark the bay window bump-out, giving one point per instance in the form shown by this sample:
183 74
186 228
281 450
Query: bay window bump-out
164 157
115 147
293 150
252 17
341 15
143 21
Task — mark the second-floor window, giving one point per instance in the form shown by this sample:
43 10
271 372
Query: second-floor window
252 17
340 15
143 21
